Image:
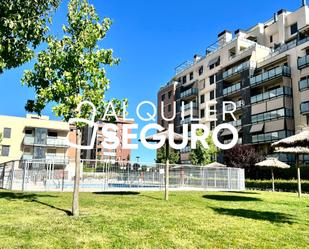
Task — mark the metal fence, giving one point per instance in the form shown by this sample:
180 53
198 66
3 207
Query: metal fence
38 175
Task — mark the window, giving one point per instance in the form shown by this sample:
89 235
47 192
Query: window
184 79
5 150
169 108
162 97
191 76
294 28
169 94
202 99
202 113
212 95
7 133
212 66
211 79
307 119
212 107
200 70
232 52
271 39
212 125
52 134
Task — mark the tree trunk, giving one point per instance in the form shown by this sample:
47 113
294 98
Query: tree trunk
75 204
273 179
166 182
298 176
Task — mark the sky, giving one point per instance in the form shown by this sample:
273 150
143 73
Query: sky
151 38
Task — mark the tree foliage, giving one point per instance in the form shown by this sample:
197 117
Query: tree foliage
71 69
23 26
173 156
242 156
201 155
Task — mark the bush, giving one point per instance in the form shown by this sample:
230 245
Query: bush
280 185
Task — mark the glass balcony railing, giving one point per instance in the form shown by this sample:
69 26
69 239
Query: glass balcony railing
235 123
188 120
271 74
304 107
238 104
239 68
56 159
231 89
303 84
188 106
50 141
271 94
303 62
189 92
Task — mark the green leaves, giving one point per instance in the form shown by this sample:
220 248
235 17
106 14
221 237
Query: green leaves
23 26
201 155
71 69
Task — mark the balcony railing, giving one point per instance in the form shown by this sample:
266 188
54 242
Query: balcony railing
304 107
51 158
239 68
271 94
239 104
189 92
271 74
188 106
231 89
303 84
235 123
50 141
188 120
303 62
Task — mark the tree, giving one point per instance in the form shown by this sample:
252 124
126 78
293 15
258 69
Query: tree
23 26
201 155
243 156
173 156
71 70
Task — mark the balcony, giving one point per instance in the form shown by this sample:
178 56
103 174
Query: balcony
192 92
50 141
239 68
239 104
303 62
51 158
271 74
235 123
303 84
271 94
304 107
188 120
231 89
188 106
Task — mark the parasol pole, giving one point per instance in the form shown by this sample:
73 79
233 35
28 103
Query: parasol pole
166 182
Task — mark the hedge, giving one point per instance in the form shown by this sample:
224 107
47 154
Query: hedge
280 185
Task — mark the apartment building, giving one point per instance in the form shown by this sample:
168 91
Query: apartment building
264 70
36 138
99 152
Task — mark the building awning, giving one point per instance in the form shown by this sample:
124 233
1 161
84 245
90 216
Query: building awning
257 128
227 132
214 60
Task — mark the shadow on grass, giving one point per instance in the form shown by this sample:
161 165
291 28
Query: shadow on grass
274 217
242 192
117 193
31 197
230 198
152 197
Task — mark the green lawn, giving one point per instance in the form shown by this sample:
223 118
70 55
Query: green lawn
144 220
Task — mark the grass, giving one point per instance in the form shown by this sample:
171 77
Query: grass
144 220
